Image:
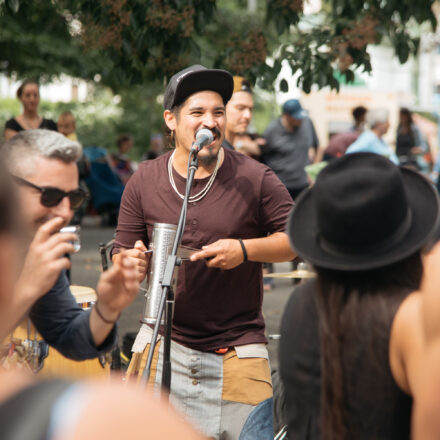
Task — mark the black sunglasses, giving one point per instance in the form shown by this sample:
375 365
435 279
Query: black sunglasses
51 196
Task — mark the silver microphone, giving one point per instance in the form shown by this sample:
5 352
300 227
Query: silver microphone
203 137
161 246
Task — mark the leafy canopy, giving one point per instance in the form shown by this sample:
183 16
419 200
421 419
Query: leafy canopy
131 42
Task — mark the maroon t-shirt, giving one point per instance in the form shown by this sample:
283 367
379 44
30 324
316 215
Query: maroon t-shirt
340 142
214 307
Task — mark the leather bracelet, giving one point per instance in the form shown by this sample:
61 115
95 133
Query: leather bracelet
102 317
243 248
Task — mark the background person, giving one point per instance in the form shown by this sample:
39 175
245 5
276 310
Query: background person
67 125
340 142
410 142
29 95
352 340
359 115
371 141
156 147
288 141
239 111
120 160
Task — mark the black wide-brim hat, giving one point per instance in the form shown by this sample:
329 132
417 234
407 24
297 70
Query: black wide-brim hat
195 79
363 213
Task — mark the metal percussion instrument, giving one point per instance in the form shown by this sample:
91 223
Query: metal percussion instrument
303 271
301 274
161 246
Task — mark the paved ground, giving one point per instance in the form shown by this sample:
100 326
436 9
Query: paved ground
86 267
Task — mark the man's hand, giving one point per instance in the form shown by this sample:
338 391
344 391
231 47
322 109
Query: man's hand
45 260
138 257
223 254
227 253
117 287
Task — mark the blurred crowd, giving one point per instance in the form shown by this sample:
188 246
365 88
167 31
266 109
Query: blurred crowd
289 145
102 173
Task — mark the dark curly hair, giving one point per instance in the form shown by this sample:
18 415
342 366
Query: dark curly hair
24 84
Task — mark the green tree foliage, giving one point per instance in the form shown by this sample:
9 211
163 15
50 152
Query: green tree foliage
340 37
145 41
36 42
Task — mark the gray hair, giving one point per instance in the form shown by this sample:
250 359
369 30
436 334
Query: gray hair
20 151
377 116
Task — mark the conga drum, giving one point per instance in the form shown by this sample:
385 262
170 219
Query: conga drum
55 364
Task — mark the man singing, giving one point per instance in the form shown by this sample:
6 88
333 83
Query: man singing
237 215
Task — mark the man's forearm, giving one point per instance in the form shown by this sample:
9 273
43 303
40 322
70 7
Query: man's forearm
272 249
99 328
22 301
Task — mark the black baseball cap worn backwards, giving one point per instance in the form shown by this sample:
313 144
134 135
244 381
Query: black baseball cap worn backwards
194 79
363 213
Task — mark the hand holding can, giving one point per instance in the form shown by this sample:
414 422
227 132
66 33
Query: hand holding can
74 229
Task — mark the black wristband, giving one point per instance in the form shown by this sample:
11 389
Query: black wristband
243 248
102 317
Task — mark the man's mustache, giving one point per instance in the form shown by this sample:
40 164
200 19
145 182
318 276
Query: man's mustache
214 130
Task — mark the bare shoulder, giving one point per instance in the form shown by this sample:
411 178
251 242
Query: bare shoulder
9 133
409 312
119 411
426 422
407 341
431 294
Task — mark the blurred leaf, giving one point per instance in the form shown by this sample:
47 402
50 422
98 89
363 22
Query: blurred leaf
349 76
131 42
284 86
14 5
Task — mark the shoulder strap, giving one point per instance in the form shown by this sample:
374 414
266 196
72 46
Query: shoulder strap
48 124
26 415
13 124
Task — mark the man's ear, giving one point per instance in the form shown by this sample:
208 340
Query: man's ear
170 119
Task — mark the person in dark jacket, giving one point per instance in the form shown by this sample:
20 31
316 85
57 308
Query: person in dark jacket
353 338
57 408
43 164
411 145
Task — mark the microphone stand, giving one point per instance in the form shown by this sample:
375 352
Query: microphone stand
167 291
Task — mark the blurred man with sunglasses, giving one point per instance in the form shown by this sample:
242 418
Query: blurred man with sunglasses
43 164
